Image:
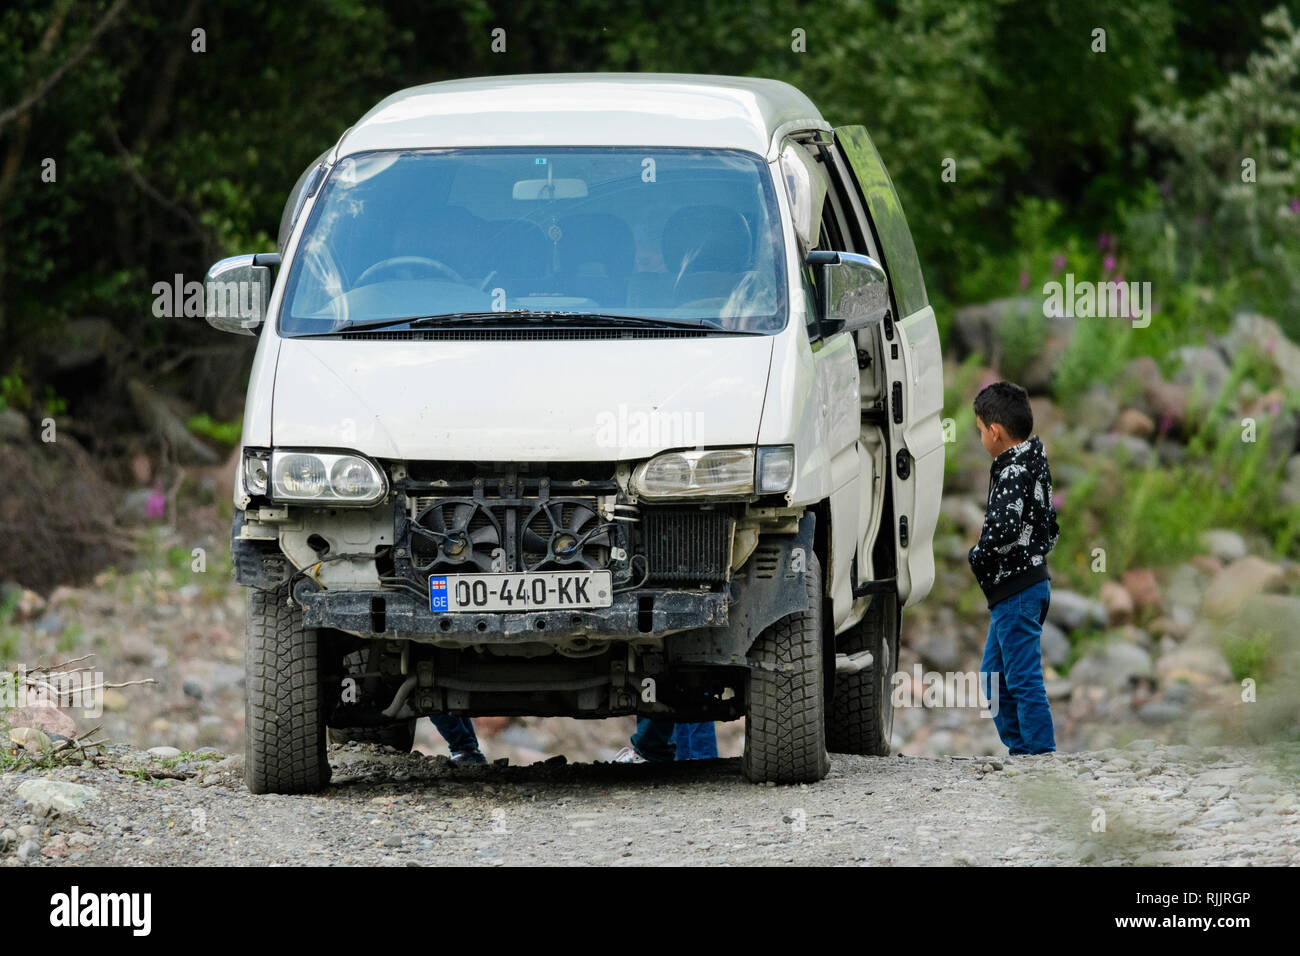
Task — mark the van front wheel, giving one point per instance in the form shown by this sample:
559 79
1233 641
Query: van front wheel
284 702
785 708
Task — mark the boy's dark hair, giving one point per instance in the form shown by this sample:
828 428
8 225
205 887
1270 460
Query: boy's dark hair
1006 404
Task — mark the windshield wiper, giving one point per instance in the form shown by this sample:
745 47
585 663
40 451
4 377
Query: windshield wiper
520 316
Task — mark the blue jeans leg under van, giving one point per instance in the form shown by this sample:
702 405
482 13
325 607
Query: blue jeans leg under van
1014 654
457 731
660 741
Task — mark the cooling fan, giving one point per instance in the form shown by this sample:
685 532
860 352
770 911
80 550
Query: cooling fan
452 533
565 532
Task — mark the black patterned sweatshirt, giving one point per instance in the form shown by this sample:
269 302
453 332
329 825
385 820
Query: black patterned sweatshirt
1020 526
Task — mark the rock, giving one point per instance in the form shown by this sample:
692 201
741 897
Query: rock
975 328
1289 492
1199 666
1207 565
138 649
1124 448
14 426
1240 581
28 831
163 753
1142 588
192 687
49 623
1169 453
8 839
1096 412
1203 370
57 847
57 795
30 739
43 716
1163 401
1277 615
1265 337
1159 712
1113 666
1071 611
114 701
1056 646
1117 601
27 604
939 650
29 850
1135 423
1224 544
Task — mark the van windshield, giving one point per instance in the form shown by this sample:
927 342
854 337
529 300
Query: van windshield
684 235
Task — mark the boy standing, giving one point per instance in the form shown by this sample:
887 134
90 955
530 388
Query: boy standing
1010 564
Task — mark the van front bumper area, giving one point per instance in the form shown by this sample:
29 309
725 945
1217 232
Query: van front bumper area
388 614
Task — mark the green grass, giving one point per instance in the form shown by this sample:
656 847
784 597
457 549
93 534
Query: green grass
1255 656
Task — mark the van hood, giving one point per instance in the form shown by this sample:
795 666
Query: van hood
548 400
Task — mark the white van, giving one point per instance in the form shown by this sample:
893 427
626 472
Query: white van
586 396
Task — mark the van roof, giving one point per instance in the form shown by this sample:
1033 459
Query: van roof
586 109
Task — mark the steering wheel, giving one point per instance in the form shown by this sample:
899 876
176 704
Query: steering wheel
407 262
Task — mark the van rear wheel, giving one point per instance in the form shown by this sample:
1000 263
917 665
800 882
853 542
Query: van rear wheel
785 707
284 702
861 716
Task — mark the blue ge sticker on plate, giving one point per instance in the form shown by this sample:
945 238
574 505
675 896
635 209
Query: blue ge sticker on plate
437 594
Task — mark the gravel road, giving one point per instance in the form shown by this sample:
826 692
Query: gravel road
1145 804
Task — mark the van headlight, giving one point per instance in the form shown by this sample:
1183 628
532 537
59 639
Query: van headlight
718 471
325 478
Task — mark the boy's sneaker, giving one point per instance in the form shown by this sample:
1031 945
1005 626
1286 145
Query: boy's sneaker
468 756
628 755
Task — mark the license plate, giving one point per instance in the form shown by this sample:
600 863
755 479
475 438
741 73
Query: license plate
531 591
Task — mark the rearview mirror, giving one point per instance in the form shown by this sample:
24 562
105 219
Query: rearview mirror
856 289
236 292
550 189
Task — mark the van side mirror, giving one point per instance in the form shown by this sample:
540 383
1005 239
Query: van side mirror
237 291
856 290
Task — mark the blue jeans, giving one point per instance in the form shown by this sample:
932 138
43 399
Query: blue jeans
457 731
1014 653
661 741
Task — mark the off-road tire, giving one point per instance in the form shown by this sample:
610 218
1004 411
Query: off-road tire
785 704
399 736
861 715
284 702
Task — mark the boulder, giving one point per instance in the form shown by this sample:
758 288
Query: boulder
1224 543
1125 448
60 795
43 716
1071 611
1199 666
1289 493
1142 588
14 425
1266 338
30 739
1055 645
1165 402
27 604
1202 368
1118 603
1135 423
1238 583
1096 411
1113 666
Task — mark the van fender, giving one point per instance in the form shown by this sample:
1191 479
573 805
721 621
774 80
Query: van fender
769 587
